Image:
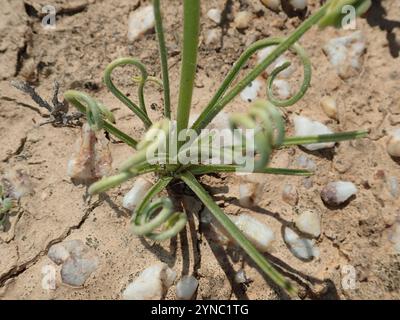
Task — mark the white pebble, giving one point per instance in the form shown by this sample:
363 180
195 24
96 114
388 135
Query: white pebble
250 93
240 276
308 182
152 283
329 106
248 194
213 36
309 222
186 287
283 88
304 162
335 193
242 19
344 53
78 261
298 4
58 254
274 5
393 145
264 53
258 233
136 194
206 216
221 121
290 194
140 21
75 271
306 127
302 248
214 15
20 183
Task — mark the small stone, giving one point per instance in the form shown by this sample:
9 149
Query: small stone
309 222
206 216
152 283
242 19
336 193
19 184
298 4
75 271
136 194
251 92
308 182
214 15
221 121
140 21
264 53
290 195
301 248
248 194
78 261
186 287
213 37
306 127
283 88
58 254
393 145
274 5
344 54
240 277
258 233
305 163
329 106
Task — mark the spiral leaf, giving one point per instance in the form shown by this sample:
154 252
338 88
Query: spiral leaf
159 214
269 128
97 115
139 111
222 97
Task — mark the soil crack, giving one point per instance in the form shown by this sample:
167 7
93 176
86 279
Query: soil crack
20 269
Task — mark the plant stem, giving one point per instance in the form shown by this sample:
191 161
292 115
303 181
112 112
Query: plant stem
191 28
236 234
72 97
335 137
114 181
140 112
119 134
163 58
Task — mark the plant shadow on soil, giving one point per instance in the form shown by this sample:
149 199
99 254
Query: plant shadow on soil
304 281
376 17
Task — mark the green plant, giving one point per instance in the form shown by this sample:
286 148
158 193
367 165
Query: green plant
5 206
158 220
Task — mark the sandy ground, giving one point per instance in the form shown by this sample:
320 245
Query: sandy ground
89 35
